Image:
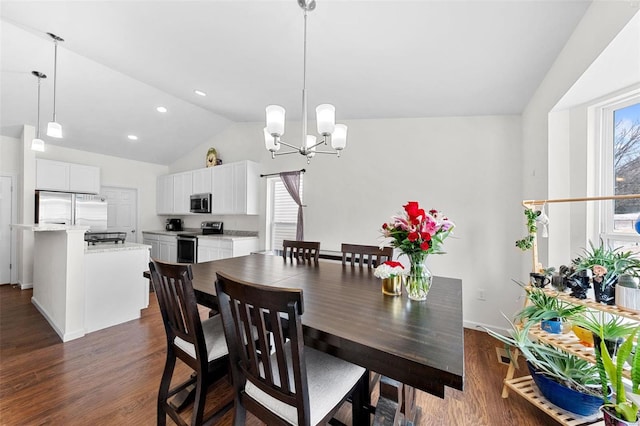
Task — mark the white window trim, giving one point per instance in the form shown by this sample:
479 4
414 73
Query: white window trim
605 173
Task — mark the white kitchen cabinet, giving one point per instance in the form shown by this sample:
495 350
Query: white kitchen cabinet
215 248
164 194
152 240
182 190
203 181
235 188
60 176
163 247
168 248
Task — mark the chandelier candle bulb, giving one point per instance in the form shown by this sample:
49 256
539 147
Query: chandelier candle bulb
326 116
275 120
270 142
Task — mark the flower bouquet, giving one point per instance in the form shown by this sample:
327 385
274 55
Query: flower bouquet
417 234
391 273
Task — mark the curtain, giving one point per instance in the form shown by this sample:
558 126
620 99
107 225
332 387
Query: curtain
291 181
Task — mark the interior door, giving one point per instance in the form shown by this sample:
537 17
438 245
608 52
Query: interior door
5 230
122 211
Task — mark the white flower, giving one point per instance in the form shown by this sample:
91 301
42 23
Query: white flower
387 271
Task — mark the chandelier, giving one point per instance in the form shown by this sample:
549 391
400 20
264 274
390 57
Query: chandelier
325 117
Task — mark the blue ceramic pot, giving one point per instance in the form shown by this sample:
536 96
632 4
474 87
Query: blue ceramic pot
551 326
571 400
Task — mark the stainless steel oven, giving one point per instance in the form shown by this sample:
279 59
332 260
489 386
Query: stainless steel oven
187 248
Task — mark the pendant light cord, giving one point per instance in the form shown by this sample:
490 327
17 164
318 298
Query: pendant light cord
55 74
304 84
38 128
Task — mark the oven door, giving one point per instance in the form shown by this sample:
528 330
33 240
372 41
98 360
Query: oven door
187 249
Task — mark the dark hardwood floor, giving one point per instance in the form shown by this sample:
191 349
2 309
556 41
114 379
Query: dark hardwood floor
110 377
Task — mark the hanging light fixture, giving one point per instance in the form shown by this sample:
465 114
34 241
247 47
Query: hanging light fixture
325 116
54 129
38 144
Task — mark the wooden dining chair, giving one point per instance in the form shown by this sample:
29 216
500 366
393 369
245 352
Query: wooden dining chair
301 250
295 384
199 344
374 255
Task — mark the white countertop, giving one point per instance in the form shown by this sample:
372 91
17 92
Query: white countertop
50 227
110 247
200 236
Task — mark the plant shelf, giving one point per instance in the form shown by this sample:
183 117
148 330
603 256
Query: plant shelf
590 303
526 388
569 343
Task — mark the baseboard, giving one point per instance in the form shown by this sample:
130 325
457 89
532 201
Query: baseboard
65 337
24 286
482 327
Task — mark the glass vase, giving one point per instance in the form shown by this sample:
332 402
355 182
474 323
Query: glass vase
418 281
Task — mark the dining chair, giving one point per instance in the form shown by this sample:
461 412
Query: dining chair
357 253
199 344
301 250
293 384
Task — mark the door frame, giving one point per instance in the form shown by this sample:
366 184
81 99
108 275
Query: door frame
13 272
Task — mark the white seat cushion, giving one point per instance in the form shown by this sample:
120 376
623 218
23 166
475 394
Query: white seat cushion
213 338
329 380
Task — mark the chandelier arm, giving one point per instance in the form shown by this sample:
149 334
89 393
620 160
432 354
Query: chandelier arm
285 153
289 145
323 141
326 152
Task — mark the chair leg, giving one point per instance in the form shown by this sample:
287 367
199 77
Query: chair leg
360 402
165 382
199 402
239 414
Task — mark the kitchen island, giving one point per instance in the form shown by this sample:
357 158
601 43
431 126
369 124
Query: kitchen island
81 288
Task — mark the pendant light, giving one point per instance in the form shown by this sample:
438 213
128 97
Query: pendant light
54 129
325 116
38 144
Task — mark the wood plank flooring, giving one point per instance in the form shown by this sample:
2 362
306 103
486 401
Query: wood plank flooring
111 376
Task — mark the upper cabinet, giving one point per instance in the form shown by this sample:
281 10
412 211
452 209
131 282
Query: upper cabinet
234 187
60 176
203 181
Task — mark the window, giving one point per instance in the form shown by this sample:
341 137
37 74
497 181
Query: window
621 172
282 213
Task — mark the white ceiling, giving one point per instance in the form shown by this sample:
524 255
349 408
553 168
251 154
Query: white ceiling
371 59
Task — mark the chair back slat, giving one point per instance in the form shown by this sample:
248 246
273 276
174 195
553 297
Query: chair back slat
173 287
357 254
301 250
265 309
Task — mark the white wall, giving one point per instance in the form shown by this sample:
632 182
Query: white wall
466 166
599 26
9 149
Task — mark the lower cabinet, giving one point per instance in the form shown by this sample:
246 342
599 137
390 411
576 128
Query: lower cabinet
163 247
222 248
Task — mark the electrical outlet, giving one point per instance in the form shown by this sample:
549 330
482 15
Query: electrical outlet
481 294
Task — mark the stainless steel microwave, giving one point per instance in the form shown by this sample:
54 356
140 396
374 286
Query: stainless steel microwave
200 203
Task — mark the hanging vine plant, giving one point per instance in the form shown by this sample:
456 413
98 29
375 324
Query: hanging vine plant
526 243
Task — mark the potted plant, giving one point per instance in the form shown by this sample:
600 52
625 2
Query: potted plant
564 379
628 292
612 328
545 307
606 265
621 410
526 243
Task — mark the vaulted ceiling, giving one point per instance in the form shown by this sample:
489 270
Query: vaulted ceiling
371 59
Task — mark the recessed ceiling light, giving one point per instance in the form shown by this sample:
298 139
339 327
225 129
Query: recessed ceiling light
161 109
132 137
199 92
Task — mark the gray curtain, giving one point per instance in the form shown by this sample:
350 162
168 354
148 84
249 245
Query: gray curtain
291 181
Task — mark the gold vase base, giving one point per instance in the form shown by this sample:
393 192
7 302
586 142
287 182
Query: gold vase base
392 286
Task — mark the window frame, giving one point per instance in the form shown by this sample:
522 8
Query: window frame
607 176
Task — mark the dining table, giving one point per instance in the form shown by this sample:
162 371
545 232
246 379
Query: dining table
417 343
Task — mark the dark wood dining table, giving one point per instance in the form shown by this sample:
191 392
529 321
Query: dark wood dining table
346 314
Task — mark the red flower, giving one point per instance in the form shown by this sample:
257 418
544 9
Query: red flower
412 236
425 245
425 236
384 226
393 264
415 213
